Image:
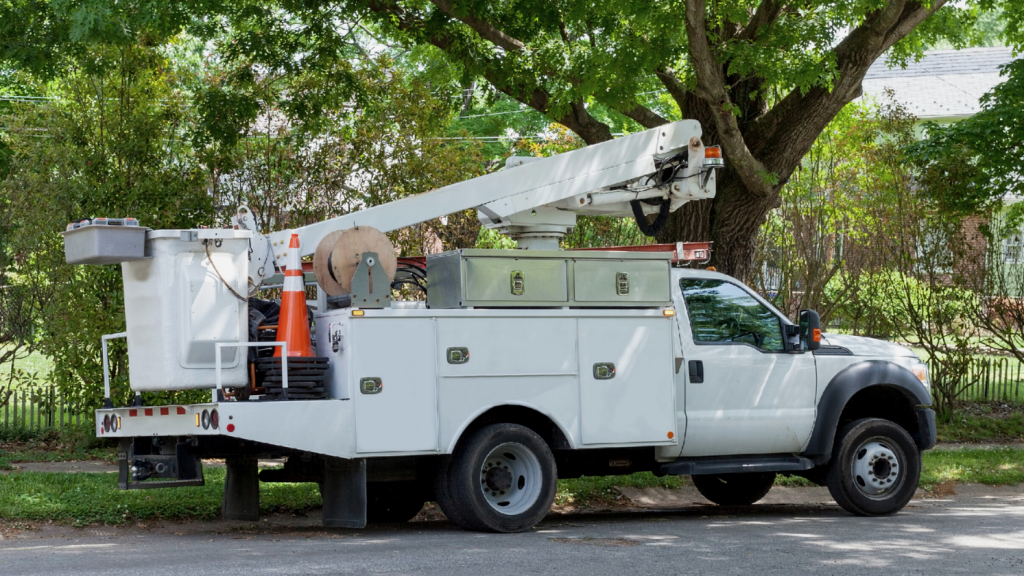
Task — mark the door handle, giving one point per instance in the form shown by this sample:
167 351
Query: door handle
696 372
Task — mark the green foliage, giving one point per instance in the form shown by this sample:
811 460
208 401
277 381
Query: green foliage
877 307
969 166
108 144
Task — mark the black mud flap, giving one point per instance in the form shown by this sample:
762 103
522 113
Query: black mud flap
145 465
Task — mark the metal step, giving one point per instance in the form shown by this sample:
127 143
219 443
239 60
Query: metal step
736 465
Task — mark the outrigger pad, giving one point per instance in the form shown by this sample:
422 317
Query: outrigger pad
241 490
344 493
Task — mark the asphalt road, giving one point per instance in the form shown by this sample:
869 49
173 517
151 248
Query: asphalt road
976 536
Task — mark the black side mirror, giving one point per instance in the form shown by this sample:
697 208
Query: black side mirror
810 329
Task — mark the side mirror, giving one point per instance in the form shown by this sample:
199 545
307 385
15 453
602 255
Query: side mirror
810 330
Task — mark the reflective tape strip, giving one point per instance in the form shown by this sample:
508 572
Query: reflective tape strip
293 284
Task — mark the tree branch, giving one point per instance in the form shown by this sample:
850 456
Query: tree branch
485 29
711 88
577 119
675 88
643 116
766 15
783 135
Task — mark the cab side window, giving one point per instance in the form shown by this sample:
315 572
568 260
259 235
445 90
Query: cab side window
721 312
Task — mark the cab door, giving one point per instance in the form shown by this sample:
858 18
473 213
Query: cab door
745 393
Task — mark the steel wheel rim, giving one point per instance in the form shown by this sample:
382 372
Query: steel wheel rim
510 478
878 468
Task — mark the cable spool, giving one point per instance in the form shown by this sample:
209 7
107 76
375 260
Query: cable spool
338 254
322 263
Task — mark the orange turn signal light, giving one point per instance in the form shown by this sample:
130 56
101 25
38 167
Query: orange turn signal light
816 335
713 152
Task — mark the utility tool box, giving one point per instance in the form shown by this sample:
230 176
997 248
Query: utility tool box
517 278
104 241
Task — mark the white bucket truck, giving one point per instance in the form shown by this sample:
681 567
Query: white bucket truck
519 367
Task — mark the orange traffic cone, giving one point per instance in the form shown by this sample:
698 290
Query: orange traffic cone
293 325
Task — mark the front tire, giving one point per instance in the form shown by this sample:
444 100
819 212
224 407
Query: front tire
734 489
875 468
503 479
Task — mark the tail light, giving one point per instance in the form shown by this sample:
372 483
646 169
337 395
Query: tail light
214 420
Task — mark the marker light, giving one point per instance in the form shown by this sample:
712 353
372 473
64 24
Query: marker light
921 371
358 312
713 156
197 420
669 312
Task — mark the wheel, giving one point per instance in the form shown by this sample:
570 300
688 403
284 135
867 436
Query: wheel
442 492
734 489
875 468
503 479
388 502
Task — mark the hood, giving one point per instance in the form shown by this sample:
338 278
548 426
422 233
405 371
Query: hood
862 346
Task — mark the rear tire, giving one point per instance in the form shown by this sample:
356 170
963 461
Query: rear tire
875 468
442 491
502 479
734 489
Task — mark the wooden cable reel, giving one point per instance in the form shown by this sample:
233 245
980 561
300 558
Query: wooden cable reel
338 254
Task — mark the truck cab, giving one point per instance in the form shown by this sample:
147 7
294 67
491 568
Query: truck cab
752 386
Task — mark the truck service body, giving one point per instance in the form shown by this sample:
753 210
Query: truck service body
520 367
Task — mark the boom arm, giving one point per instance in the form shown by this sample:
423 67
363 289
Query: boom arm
542 196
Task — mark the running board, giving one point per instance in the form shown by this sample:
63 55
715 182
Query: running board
700 466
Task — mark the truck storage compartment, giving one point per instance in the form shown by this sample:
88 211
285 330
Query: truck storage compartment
621 282
526 278
178 307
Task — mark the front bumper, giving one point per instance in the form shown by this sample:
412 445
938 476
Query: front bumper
926 434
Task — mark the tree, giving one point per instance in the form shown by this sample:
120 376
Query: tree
969 166
100 142
763 78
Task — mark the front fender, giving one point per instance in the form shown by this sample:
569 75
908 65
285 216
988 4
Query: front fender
856 378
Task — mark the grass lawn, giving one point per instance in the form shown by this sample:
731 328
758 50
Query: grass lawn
81 499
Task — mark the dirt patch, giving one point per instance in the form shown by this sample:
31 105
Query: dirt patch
942 490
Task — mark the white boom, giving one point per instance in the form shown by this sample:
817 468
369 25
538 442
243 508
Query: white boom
537 199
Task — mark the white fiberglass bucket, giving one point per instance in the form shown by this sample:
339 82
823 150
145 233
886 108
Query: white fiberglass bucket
177 308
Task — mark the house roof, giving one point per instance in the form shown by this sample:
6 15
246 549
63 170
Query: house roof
943 84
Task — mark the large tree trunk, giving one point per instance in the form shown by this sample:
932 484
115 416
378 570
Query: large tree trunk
736 218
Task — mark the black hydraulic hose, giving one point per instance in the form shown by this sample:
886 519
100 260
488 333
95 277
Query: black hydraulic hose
652 228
